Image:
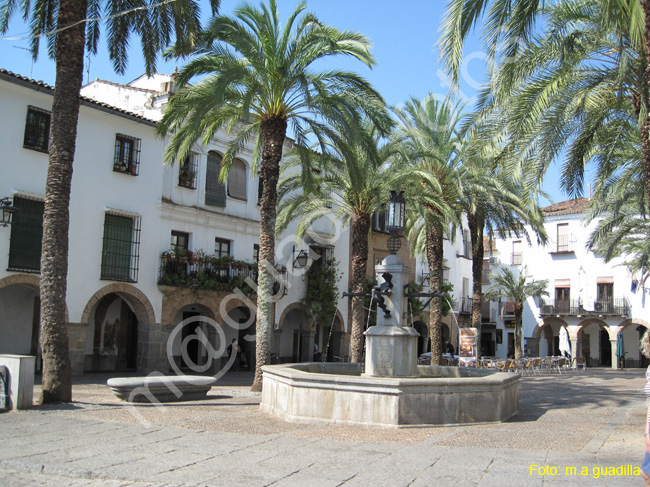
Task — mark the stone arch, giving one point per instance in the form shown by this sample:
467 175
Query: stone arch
296 307
635 322
137 300
547 322
31 281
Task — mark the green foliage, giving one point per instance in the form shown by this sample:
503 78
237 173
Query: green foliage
321 297
198 271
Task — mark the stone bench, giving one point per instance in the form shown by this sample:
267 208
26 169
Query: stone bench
160 388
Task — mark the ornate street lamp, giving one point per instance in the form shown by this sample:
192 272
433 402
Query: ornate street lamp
6 210
395 220
301 259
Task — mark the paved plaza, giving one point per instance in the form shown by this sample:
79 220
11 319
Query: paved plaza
591 420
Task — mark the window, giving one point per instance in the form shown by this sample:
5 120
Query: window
127 155
260 189
121 247
221 247
467 245
604 294
379 220
563 237
188 170
256 252
180 240
563 295
517 257
237 180
37 129
215 192
26 235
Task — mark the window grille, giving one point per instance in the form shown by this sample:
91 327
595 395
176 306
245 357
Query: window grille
121 247
237 180
127 155
26 235
188 171
215 192
37 129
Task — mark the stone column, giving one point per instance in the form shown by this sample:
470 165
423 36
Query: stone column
152 348
391 349
275 347
77 341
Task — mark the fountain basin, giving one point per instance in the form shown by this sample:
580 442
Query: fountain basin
341 393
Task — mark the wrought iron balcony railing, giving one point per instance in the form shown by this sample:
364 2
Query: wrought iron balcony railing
207 272
576 307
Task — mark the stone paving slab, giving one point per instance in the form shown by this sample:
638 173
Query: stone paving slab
589 420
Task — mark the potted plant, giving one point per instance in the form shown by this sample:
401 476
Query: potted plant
186 178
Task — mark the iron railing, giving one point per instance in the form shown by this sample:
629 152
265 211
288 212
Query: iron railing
575 307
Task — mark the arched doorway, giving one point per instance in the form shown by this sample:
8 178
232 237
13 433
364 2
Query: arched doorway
112 335
295 336
241 325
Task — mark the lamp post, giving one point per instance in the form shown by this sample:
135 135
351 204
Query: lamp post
6 210
395 220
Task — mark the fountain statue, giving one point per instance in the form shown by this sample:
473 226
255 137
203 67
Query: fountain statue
391 389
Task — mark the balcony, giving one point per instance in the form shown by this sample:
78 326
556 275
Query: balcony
465 305
199 271
575 307
564 245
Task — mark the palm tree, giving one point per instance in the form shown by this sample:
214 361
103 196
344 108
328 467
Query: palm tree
69 36
517 290
429 140
259 76
354 183
496 201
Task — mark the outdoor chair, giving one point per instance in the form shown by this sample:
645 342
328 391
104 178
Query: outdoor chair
547 364
536 366
580 362
560 364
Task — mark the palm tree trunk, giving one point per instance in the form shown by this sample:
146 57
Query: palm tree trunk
435 257
519 309
274 131
476 236
645 126
359 233
69 54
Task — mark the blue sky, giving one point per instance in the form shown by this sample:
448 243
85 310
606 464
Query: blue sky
404 35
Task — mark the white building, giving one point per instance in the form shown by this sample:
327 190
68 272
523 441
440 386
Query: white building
594 300
126 292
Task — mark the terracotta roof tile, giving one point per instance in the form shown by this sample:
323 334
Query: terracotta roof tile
86 101
568 207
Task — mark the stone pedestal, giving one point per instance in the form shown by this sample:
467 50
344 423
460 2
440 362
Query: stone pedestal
20 383
391 351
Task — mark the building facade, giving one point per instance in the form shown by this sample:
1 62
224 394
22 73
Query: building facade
163 259
598 303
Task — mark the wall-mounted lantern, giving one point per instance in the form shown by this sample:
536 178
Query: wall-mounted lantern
6 211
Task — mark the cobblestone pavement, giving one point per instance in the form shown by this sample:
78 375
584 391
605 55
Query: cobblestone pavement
591 420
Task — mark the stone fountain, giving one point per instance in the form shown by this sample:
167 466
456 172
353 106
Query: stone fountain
391 390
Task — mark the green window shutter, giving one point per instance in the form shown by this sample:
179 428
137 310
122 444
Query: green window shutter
26 236
116 252
215 192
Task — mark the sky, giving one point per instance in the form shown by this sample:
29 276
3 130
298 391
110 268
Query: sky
404 35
